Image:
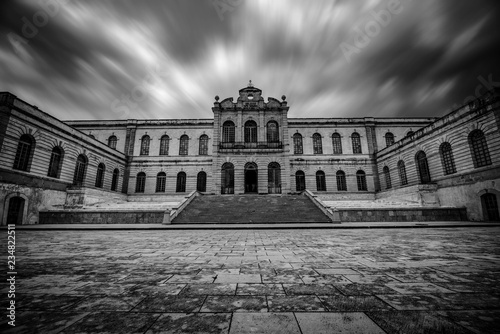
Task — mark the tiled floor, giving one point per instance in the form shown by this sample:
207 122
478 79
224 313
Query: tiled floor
257 281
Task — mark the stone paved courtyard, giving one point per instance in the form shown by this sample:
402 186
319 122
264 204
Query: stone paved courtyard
441 280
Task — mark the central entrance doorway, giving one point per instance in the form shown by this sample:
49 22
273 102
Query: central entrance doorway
251 178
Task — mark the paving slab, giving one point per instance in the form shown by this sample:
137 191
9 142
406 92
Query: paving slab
264 323
330 323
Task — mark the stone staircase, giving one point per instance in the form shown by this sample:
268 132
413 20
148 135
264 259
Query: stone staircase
248 209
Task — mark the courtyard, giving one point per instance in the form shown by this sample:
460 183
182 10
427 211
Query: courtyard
426 280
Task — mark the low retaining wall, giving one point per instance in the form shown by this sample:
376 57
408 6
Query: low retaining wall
101 217
403 215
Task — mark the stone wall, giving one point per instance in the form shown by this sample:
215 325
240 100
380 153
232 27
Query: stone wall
403 215
101 217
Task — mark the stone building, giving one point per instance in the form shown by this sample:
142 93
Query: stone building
250 146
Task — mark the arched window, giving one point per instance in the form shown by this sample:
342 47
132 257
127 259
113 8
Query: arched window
356 143
361 178
300 181
112 142
479 149
389 139
274 178
183 145
140 182
272 132
297 144
181 182
250 132
447 159
201 182
341 181
402 173
99 179
55 162
387 176
227 178
161 180
423 167
337 143
320 181
228 133
80 170
24 155
164 144
203 145
114 179
317 144
145 145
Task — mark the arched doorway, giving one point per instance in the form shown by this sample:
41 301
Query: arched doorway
490 207
300 181
227 178
15 211
274 178
251 178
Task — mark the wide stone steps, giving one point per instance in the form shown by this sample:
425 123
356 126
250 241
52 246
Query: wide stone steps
249 209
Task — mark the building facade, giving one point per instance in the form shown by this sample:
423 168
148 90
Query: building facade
250 146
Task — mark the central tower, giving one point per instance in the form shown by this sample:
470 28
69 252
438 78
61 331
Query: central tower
251 144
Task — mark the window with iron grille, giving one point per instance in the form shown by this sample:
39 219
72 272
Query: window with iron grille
479 149
389 139
341 181
164 144
423 167
112 142
161 180
23 153
320 181
55 162
361 178
337 143
114 179
272 132
447 159
183 145
203 145
402 173
140 183
300 181
387 176
317 144
228 132
99 179
356 143
297 144
201 182
80 169
250 132
181 182
145 145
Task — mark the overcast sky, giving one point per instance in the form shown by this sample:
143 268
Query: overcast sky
168 59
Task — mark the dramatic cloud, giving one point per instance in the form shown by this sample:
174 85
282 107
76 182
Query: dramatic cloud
168 59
